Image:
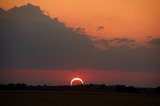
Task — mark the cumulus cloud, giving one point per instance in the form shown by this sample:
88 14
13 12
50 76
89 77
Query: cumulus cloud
30 39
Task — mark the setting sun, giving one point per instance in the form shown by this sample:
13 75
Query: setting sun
76 79
80 52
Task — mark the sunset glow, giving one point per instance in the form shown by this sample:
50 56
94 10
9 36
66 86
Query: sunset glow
76 79
134 19
80 52
102 41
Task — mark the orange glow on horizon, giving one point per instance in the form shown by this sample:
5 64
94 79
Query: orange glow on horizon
61 77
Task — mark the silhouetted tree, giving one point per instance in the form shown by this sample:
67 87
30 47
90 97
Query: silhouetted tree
157 90
131 89
120 88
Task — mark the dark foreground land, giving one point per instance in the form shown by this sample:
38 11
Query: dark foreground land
76 98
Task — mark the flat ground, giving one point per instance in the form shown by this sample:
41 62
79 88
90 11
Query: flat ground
67 98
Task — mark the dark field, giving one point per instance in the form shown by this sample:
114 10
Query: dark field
76 98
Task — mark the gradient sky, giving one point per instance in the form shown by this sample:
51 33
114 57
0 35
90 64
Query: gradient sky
63 77
40 50
134 19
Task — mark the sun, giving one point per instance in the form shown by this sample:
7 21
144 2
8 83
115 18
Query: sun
76 79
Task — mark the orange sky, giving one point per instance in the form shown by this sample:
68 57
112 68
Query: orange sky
135 19
53 77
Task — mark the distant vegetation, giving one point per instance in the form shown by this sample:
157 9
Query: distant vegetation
89 87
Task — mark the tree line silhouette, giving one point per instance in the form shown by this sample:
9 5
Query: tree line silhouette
87 87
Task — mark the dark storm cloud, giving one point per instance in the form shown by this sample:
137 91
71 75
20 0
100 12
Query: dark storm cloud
104 44
2 11
155 42
101 42
122 40
30 39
